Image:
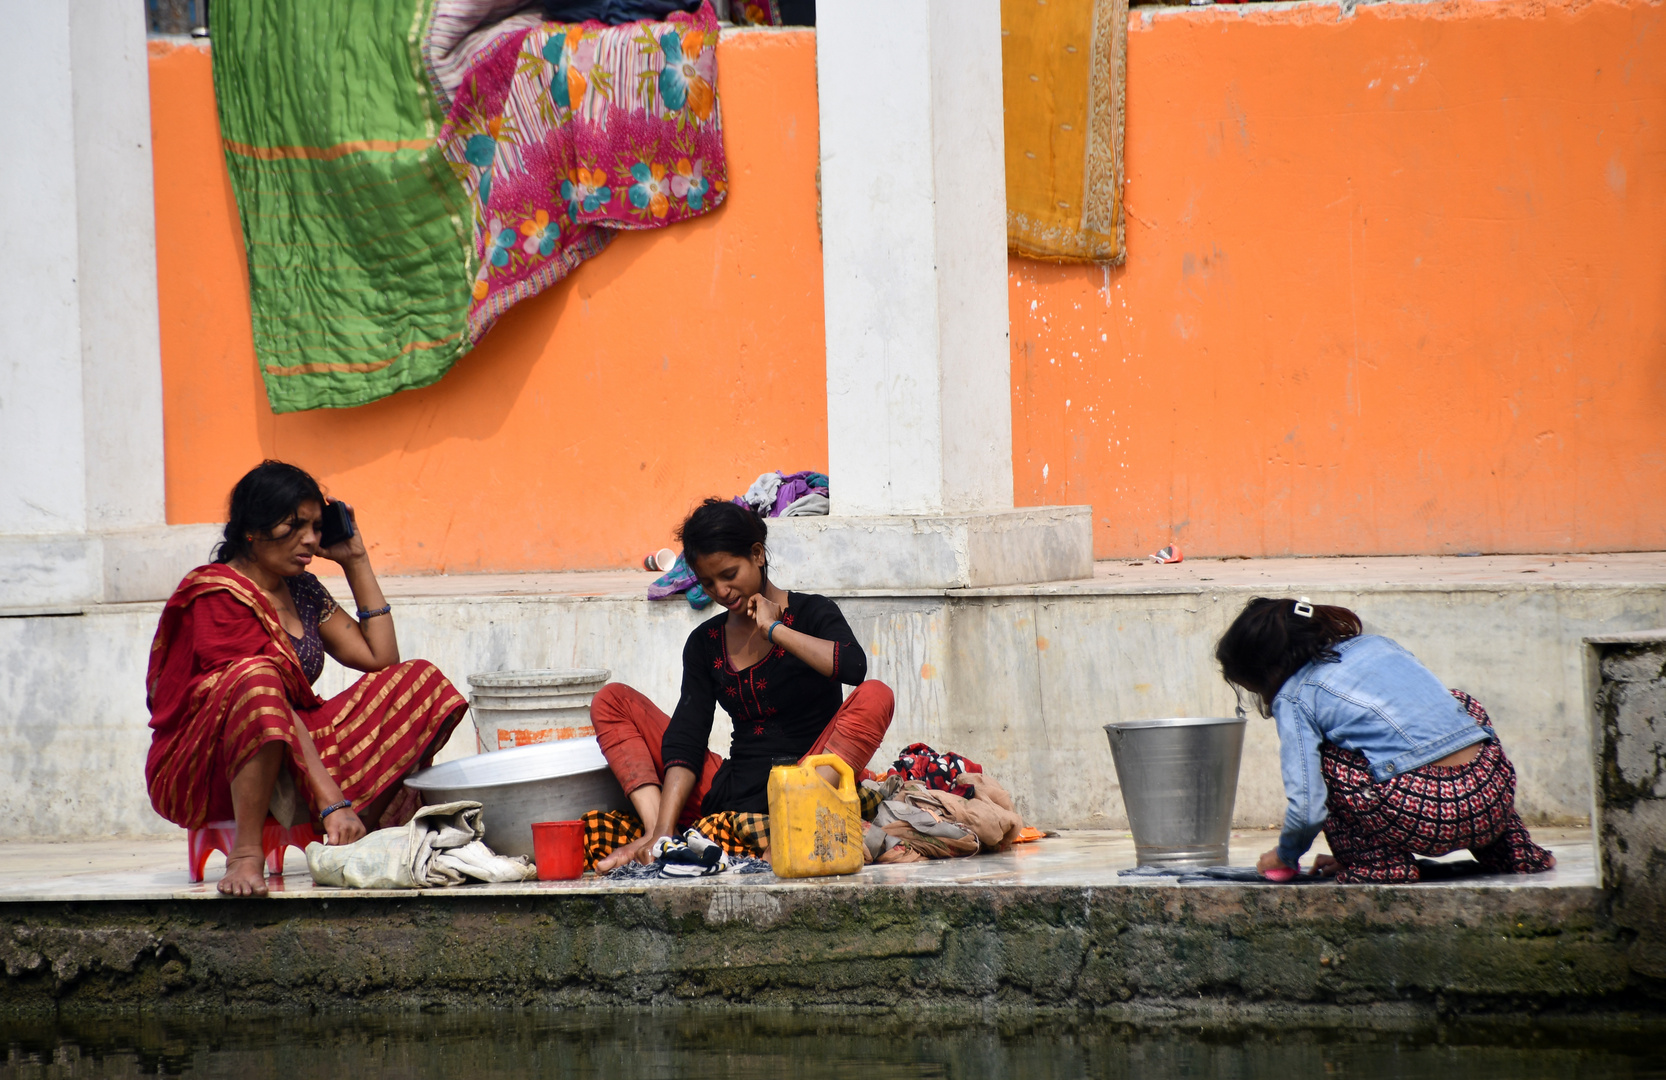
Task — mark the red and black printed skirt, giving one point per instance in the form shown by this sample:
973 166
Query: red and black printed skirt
1375 830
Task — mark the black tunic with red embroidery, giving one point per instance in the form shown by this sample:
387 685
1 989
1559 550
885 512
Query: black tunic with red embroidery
779 706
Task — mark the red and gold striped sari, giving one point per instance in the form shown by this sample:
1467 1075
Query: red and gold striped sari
224 680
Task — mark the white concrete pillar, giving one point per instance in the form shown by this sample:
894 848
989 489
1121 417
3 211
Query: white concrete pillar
82 511
913 187
919 413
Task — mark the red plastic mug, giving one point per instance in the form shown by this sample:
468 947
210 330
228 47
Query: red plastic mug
558 848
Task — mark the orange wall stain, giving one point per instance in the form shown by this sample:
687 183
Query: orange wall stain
1394 285
677 364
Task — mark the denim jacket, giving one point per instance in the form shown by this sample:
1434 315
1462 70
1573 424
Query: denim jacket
1376 699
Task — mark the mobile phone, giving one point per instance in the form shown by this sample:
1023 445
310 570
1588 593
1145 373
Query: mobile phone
336 524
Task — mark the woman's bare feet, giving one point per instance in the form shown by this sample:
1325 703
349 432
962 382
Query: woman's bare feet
245 876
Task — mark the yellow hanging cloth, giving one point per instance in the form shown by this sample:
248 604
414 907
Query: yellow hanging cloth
1064 70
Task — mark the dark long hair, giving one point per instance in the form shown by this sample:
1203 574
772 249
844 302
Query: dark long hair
719 526
1269 642
266 497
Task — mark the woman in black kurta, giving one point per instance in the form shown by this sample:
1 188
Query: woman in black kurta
775 661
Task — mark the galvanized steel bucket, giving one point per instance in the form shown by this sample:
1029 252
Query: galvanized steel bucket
1179 781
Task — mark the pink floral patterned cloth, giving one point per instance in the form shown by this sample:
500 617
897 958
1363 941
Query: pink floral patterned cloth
563 133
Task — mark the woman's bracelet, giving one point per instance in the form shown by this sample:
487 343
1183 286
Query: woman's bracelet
332 808
383 610
771 634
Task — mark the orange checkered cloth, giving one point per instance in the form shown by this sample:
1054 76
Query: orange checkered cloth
737 833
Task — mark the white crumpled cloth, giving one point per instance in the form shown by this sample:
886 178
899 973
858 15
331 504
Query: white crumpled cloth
761 495
441 845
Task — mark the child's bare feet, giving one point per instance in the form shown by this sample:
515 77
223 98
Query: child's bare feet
245 876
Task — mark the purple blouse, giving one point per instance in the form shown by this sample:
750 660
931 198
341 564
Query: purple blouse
314 604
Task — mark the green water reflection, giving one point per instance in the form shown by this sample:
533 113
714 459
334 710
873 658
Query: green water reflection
746 1045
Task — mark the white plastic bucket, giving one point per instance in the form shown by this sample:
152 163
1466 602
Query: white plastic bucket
524 708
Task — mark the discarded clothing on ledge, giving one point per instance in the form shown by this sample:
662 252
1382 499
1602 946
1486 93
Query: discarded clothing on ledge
440 846
941 772
917 822
679 579
777 494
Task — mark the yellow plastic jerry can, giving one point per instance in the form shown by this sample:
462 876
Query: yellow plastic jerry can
814 829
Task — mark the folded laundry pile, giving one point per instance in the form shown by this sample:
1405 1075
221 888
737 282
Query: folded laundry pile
440 846
777 494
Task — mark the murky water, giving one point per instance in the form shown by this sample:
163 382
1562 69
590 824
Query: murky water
718 1044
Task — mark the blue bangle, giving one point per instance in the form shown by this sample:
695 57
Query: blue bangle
383 610
771 633
328 810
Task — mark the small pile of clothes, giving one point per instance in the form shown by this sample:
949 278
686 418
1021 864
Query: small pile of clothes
937 806
680 579
777 494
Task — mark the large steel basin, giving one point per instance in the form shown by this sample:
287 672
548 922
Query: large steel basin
553 781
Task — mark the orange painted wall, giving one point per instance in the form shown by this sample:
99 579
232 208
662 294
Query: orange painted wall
1396 283
678 363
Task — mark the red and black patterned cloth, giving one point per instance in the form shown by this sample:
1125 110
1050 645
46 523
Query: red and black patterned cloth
736 832
941 772
1375 829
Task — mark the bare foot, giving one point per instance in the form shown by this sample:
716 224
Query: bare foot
245 876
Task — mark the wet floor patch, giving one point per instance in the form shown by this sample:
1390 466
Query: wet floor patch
746 1045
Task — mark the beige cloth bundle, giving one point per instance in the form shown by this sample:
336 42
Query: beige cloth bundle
440 846
919 823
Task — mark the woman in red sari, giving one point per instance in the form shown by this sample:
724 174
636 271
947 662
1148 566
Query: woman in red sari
230 684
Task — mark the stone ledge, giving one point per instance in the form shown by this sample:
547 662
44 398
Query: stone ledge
891 948
61 573
947 551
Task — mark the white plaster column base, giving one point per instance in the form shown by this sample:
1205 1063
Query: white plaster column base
66 571
946 551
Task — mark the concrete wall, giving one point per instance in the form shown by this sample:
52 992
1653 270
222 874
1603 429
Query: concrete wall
1629 736
1020 680
1392 286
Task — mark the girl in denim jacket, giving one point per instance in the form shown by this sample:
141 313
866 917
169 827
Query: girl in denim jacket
1374 750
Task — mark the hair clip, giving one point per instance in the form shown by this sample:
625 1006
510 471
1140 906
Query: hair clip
1304 608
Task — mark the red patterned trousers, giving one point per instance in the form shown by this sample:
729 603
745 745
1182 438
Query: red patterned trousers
1375 830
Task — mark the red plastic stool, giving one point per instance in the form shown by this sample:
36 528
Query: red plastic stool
218 836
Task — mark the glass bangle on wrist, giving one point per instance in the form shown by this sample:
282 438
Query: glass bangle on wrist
771 634
383 610
333 807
